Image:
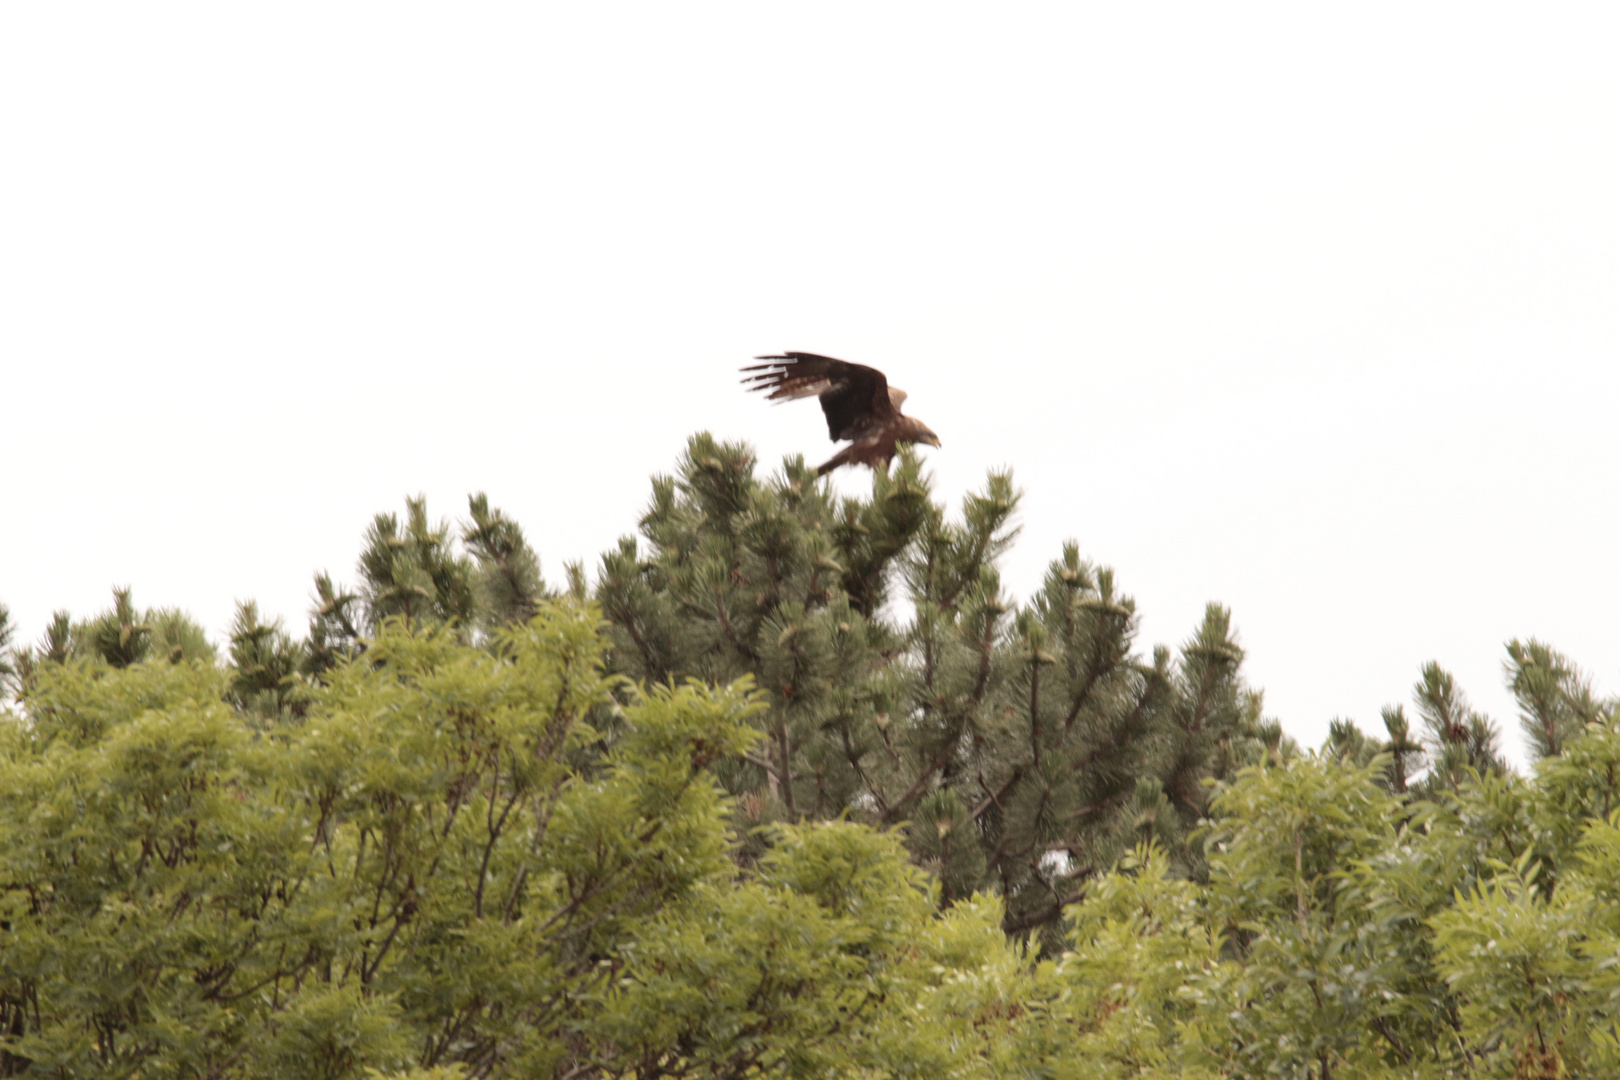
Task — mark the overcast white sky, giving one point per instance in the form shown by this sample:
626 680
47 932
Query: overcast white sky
1310 309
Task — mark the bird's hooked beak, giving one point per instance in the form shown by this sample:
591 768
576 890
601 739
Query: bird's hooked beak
931 439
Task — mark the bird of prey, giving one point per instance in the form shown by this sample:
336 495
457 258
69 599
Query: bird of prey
859 402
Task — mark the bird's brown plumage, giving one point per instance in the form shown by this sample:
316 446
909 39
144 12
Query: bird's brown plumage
858 401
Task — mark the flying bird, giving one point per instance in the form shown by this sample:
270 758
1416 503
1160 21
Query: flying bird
859 402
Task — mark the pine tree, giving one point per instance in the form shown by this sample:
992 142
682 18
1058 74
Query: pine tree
120 637
1461 740
412 570
1349 745
7 656
10 668
334 627
507 584
1556 700
266 668
124 635
1405 755
176 636
1025 749
55 646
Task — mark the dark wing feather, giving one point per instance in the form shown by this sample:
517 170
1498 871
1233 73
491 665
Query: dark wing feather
854 397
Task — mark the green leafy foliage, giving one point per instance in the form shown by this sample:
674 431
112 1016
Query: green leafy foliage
415 874
818 946
794 790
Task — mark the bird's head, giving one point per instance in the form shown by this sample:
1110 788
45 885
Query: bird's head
927 436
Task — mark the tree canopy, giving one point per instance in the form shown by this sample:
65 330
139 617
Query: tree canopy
793 788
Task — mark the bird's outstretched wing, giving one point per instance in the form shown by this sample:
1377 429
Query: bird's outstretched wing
854 397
